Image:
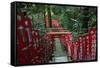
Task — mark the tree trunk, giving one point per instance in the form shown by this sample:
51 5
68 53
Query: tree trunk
49 17
85 19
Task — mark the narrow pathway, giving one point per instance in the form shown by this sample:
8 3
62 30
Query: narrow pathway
59 53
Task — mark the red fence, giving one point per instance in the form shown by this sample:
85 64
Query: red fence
32 49
82 49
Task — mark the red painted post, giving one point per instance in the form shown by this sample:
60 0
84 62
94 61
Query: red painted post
80 48
92 33
20 42
88 47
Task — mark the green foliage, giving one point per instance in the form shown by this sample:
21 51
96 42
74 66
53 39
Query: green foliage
74 19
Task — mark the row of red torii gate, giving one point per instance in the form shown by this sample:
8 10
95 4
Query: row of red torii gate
34 49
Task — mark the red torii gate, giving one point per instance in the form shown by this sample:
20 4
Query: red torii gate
65 38
57 31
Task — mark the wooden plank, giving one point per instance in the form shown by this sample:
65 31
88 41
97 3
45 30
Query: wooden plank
58 33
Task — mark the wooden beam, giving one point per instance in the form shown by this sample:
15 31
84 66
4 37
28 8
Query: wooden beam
58 33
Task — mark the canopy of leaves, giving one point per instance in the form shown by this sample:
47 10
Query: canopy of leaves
71 18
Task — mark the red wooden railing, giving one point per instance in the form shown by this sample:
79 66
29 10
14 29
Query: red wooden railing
40 52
